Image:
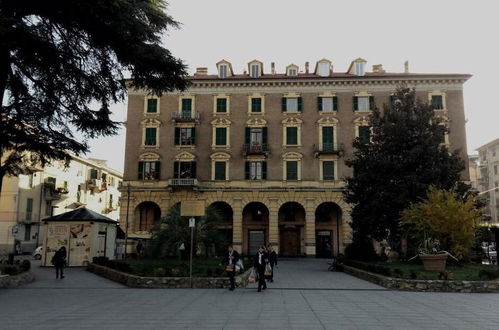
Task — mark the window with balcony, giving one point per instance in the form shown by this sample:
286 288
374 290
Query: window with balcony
186 110
327 104
363 103
149 171
256 104
185 136
328 170
184 170
152 105
291 170
437 102
255 170
292 104
221 105
327 138
93 173
150 136
220 170
256 139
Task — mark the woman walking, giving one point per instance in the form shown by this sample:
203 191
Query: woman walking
272 261
259 263
59 261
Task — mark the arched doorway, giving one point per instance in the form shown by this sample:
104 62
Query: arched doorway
223 211
291 229
255 227
327 230
147 215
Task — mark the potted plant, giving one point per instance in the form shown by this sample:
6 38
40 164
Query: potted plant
431 256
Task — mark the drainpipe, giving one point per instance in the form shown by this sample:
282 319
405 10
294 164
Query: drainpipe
337 231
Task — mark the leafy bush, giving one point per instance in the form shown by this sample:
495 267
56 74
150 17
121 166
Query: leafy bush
361 249
397 272
413 275
25 265
488 274
11 270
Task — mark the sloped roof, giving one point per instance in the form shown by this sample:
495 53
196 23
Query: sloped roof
80 214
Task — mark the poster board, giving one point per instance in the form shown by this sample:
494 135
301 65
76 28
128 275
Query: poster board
192 208
79 244
57 237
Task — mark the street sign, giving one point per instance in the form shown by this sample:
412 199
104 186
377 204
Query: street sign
192 222
192 208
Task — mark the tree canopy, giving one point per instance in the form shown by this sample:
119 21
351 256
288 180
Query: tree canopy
59 57
404 157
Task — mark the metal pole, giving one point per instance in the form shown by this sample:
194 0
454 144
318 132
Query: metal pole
126 219
190 262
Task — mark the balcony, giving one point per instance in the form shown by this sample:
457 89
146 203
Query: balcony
183 183
255 149
185 116
328 149
52 193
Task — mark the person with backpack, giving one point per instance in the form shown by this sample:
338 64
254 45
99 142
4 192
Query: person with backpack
59 261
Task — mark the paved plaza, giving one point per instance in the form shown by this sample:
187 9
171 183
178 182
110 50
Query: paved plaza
304 296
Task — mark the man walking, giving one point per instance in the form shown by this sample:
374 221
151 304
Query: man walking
231 257
272 261
261 259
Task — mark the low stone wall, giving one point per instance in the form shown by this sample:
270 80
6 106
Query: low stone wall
14 281
135 281
424 285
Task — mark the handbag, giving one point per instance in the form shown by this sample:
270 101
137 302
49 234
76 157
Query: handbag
268 270
229 268
253 276
239 266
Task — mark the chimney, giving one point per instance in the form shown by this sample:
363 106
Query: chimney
378 68
272 67
307 67
406 67
201 72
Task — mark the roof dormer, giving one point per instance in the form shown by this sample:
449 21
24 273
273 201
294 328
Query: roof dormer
358 67
292 70
224 69
255 69
323 68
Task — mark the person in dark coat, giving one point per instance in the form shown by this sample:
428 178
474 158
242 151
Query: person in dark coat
260 261
59 261
231 257
272 261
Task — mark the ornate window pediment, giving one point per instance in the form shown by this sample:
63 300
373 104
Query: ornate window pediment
149 157
292 156
220 156
151 122
256 122
221 122
328 121
185 157
292 121
361 121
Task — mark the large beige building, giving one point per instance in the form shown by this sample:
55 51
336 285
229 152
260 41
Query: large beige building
55 189
488 182
267 149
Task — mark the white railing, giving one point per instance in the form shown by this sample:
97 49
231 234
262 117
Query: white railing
183 182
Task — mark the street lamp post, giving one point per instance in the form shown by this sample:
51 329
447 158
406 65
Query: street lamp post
126 218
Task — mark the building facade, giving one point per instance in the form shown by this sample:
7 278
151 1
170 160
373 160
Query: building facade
267 149
27 199
488 182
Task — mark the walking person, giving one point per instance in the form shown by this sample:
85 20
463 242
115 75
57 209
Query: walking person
272 261
59 261
230 260
260 261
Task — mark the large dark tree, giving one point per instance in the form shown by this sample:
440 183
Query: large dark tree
59 57
405 156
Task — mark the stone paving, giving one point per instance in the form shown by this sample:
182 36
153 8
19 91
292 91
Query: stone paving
301 298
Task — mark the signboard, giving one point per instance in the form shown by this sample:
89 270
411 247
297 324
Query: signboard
192 208
324 233
58 231
192 222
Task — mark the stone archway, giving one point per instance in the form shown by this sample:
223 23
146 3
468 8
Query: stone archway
255 227
146 216
291 220
328 229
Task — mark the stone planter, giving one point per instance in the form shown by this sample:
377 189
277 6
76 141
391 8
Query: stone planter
434 262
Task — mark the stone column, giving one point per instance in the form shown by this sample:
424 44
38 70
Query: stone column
346 230
237 225
310 227
274 223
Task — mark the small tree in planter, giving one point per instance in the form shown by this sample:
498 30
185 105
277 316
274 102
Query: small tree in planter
442 224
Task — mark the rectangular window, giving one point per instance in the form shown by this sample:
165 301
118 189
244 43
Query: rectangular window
291 170
187 108
185 136
256 104
363 103
220 136
222 105
292 72
255 171
437 102
223 71
149 170
292 104
291 136
48 208
184 170
364 134
328 138
360 68
152 105
220 170
328 170
93 174
327 104
27 232
150 136
29 208
255 71
324 69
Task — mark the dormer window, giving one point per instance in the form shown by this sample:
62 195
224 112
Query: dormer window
291 70
255 71
222 71
360 68
324 69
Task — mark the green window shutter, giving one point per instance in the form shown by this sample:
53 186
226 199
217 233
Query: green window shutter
283 104
193 170
222 105
177 136
157 170
176 173
264 135
300 104
256 104
291 135
193 135
247 170
335 103
186 105
247 135
141 171
152 105
328 170
372 104
219 170
364 134
328 136
291 170
264 170
319 104
150 136
220 136
355 102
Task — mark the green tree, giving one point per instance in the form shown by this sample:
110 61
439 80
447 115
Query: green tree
404 157
59 57
444 216
175 231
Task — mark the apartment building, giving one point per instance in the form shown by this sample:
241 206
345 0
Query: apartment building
488 182
267 149
27 199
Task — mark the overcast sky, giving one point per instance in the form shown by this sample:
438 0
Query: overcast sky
435 36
